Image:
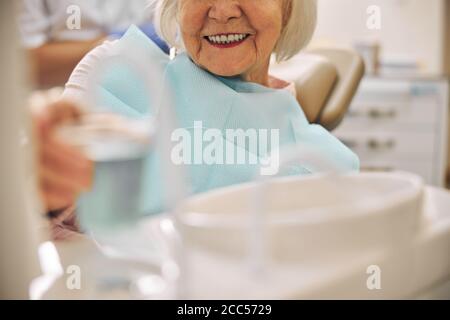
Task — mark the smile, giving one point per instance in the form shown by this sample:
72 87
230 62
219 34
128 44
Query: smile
227 40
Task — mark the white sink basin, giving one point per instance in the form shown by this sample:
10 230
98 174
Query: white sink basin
309 217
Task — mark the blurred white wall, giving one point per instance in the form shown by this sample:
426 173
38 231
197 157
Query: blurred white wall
412 29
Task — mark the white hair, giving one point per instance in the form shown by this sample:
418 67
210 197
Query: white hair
296 34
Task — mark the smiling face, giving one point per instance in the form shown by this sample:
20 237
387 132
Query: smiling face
232 37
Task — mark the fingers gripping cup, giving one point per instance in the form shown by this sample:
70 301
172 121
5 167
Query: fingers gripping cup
119 147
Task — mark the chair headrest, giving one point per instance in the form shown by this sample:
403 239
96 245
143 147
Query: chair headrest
314 78
350 69
326 81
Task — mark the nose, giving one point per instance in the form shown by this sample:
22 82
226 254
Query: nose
225 10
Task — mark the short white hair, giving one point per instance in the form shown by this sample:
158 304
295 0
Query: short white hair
296 34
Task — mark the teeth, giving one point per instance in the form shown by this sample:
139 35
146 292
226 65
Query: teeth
227 39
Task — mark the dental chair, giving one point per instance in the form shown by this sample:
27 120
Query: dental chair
326 81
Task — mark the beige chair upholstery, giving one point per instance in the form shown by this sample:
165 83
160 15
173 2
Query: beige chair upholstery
326 81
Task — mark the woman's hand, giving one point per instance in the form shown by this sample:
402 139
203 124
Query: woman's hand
63 170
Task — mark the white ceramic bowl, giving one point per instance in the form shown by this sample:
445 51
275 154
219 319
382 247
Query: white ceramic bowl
309 217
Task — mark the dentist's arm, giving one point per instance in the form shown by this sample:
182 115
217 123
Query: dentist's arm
53 62
63 171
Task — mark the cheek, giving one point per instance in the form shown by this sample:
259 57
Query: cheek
266 42
267 21
191 17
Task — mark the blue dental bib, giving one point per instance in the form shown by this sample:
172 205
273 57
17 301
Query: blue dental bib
221 104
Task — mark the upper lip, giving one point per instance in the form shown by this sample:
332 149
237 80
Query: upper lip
226 34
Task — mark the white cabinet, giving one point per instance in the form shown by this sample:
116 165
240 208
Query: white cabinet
400 124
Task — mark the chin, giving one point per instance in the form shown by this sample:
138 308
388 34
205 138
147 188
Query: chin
226 71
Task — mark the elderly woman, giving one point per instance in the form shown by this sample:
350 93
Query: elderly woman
221 78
